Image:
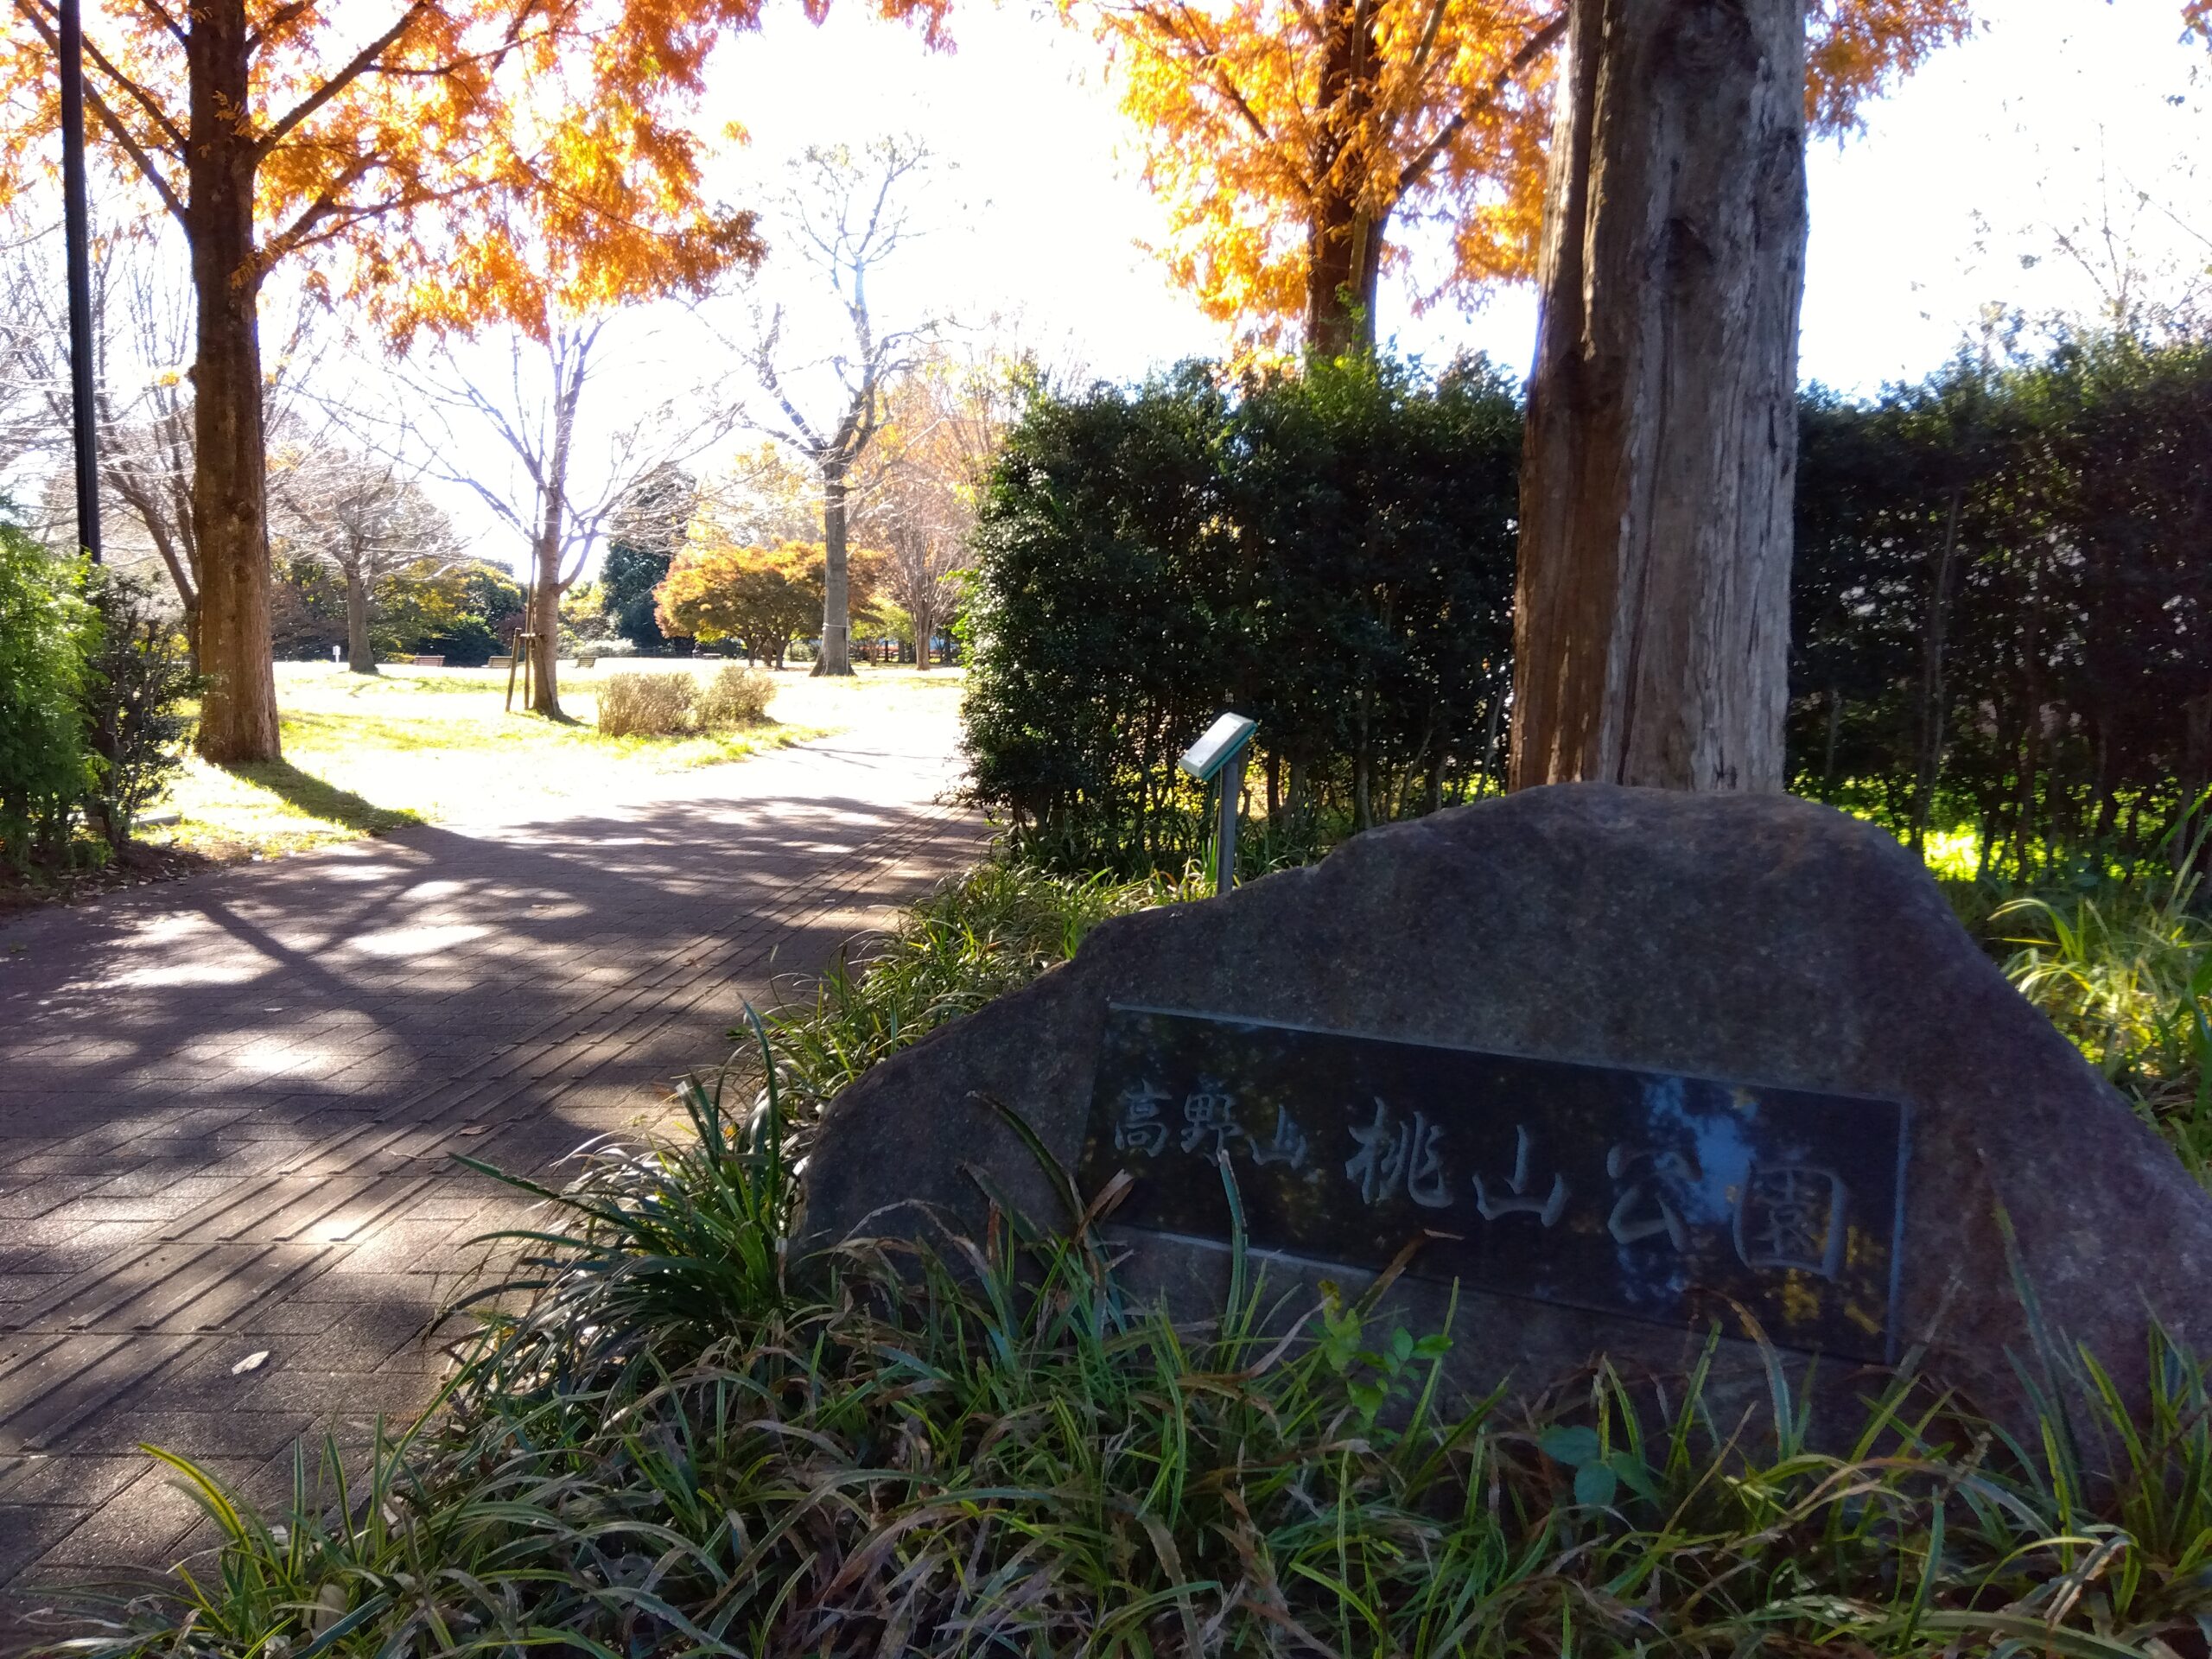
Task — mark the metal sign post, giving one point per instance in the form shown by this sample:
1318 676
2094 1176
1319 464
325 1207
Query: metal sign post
1220 754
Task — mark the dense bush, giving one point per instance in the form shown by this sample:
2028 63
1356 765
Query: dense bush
2003 603
1330 552
138 674
737 695
47 632
646 705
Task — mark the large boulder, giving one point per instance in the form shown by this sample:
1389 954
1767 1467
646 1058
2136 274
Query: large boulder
1756 939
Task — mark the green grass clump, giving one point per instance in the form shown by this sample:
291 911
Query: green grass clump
678 1441
2126 974
990 932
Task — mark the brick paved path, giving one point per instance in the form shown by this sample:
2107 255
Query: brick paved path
229 1106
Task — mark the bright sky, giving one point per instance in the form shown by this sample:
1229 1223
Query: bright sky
2056 108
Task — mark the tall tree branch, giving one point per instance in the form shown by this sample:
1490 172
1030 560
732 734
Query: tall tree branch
1534 48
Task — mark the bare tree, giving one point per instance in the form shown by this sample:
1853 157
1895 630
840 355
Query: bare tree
142 332
362 515
847 219
568 471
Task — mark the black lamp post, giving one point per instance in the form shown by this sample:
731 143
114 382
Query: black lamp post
77 231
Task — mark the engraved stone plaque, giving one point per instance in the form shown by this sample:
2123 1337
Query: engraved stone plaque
1676 1199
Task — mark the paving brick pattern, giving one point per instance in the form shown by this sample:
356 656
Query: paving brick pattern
230 1107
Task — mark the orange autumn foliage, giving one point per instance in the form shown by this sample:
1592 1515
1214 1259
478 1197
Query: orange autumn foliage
1296 141
442 163
420 147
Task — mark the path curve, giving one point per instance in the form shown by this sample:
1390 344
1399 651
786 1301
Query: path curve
229 1105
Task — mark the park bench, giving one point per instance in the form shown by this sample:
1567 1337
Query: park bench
429 662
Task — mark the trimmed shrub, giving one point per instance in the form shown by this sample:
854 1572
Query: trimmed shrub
736 697
1330 552
646 705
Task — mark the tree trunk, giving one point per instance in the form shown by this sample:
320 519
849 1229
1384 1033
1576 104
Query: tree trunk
1652 614
1834 737
238 712
1343 231
545 622
360 660
1930 765
835 656
1344 268
924 626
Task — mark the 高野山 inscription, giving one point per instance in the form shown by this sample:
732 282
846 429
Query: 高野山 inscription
1669 1198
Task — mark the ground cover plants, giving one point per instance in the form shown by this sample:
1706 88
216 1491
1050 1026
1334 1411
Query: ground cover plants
682 1438
2126 971
674 1435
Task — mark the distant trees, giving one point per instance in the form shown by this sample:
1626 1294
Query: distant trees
554 459
849 216
432 144
364 518
946 419
644 533
1295 144
761 597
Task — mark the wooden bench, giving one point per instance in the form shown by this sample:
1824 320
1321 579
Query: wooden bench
429 662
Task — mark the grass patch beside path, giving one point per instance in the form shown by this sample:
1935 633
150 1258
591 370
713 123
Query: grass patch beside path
364 754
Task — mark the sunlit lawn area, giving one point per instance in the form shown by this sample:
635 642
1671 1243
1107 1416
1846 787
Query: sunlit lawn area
366 753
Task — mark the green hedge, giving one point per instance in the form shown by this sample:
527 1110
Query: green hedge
1331 553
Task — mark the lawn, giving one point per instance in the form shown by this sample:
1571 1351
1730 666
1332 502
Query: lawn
366 753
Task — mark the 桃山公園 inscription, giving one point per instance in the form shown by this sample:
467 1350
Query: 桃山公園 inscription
1669 1198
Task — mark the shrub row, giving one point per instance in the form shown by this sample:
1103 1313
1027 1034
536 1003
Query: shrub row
666 705
2002 611
1331 553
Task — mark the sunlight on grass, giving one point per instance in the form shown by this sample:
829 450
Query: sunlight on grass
366 753
1953 854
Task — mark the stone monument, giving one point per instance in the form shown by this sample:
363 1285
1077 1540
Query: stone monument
1628 1063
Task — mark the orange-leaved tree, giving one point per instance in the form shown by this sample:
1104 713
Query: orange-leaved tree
413 150
1296 142
764 597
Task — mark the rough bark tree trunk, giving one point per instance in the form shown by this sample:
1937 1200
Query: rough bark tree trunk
1652 615
360 660
238 716
1344 235
835 656
545 622
1344 255
925 622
